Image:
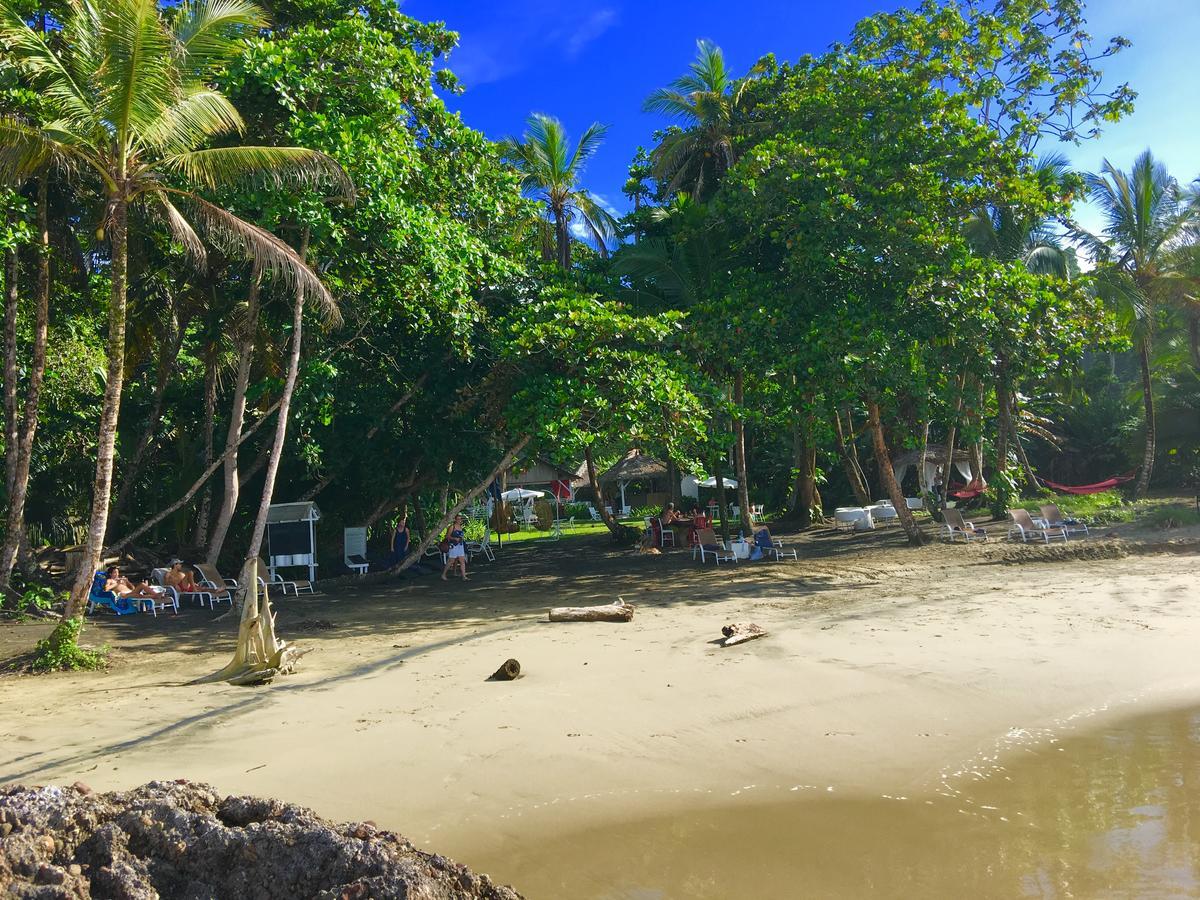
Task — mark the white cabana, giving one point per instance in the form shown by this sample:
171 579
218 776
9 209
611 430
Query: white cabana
517 495
934 458
712 483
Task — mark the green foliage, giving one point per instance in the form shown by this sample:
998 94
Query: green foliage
1169 517
61 651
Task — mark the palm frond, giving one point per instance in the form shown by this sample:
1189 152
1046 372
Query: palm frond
279 166
29 50
273 257
192 120
589 143
23 150
600 223
181 230
209 32
141 78
669 102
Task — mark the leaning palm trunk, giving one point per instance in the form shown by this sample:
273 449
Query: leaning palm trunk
111 409
883 459
237 415
14 528
432 535
1143 482
12 299
281 421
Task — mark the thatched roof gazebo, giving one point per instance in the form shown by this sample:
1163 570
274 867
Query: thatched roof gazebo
634 466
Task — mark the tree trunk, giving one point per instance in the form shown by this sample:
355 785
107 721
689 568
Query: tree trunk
166 366
14 529
1143 482
610 521
1022 457
951 436
236 415
1002 415
854 472
12 294
722 500
111 409
562 239
203 514
804 456
196 485
431 536
739 450
1194 339
281 421
915 536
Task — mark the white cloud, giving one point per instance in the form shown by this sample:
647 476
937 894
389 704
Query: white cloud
588 30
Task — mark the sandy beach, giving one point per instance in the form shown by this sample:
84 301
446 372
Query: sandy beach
886 671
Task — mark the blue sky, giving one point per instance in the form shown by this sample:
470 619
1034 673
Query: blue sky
586 62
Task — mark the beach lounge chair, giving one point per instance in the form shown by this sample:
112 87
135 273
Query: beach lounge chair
158 577
1053 518
220 587
1024 528
774 546
709 545
483 545
267 580
99 597
955 526
594 513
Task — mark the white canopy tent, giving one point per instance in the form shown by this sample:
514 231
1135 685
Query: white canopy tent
712 483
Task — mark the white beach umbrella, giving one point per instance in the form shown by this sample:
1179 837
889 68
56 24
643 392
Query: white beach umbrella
712 483
518 494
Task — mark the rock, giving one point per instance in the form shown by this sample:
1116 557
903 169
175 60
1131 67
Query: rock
180 839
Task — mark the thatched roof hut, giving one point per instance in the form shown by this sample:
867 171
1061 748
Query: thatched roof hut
635 466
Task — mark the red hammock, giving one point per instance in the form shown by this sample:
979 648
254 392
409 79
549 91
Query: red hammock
968 491
1097 488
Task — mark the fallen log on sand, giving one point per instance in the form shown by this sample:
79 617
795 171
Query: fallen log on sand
610 612
739 633
507 672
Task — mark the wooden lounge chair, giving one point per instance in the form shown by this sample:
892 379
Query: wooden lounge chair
955 526
708 544
776 547
1053 518
1024 528
220 587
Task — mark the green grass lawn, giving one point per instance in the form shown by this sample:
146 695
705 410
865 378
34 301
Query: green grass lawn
579 529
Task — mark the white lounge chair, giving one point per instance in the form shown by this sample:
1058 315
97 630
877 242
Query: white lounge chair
777 549
1052 517
220 587
706 541
955 526
158 577
1024 528
475 548
267 580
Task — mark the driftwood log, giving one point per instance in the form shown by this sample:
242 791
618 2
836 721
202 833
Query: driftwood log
507 672
739 633
610 612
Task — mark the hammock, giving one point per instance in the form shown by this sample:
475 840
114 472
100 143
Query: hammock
968 491
1098 488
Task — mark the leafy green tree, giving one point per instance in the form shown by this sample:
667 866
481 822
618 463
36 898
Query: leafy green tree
551 171
133 110
1146 219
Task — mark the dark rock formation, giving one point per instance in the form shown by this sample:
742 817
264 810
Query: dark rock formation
183 840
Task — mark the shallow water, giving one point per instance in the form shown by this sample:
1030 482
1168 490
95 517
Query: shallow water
1111 813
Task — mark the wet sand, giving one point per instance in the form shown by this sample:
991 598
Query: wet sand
885 669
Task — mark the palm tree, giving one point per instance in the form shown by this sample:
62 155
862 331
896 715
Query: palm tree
133 110
551 171
1145 219
709 104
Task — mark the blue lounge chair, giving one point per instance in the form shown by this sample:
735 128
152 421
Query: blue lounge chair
98 596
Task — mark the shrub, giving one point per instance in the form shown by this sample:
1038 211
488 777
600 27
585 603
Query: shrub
1171 517
61 650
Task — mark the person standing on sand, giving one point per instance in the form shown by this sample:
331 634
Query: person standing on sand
400 540
456 554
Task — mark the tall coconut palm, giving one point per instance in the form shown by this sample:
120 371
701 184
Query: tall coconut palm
129 89
1145 219
708 105
551 171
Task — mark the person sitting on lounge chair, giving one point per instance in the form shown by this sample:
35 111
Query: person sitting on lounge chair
182 580
123 587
